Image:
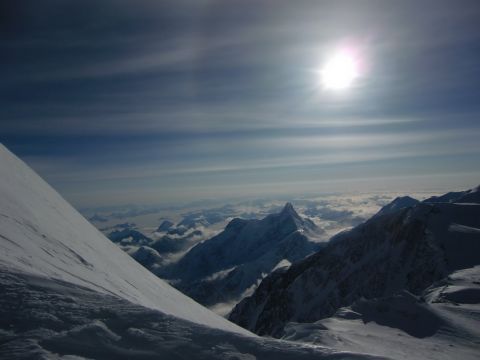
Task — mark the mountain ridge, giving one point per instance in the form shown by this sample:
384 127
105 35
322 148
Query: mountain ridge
410 248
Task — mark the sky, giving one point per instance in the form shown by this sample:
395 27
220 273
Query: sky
152 102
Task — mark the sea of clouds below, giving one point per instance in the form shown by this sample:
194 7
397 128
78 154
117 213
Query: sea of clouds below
332 213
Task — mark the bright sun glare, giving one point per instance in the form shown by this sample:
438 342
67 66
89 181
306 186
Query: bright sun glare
339 72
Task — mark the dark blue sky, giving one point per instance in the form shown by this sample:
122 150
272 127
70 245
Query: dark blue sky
155 101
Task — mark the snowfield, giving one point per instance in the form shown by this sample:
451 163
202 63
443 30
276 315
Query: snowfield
441 325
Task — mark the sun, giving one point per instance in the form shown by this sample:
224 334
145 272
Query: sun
339 72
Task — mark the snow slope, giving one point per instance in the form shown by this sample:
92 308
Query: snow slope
43 318
42 235
441 324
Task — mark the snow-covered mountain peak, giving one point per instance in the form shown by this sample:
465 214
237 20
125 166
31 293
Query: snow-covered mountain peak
396 204
165 226
291 221
289 209
222 268
236 224
289 214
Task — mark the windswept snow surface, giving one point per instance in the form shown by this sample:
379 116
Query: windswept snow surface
44 318
442 324
41 234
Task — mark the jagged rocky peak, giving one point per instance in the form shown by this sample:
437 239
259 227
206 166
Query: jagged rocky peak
289 209
404 201
222 268
289 217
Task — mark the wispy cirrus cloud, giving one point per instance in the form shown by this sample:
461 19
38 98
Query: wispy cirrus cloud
223 95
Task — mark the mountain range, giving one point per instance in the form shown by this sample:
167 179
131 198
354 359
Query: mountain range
402 260
221 269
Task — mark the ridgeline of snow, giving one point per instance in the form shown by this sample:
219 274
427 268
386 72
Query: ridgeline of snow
462 197
397 204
